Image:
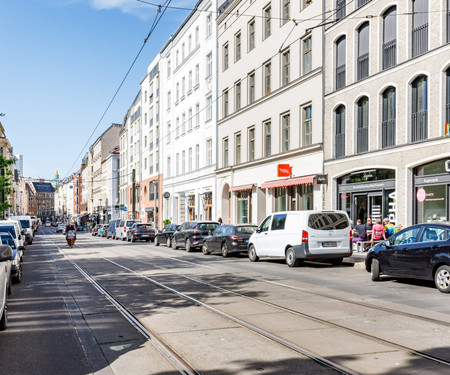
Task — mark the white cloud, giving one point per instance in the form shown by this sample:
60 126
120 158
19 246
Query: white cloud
127 6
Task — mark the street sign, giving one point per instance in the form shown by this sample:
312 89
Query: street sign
124 208
322 179
166 195
284 170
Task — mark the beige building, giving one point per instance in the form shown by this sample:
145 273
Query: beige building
387 100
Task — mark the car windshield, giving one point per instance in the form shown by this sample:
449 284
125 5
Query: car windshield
246 230
8 229
130 223
7 240
25 223
328 221
207 226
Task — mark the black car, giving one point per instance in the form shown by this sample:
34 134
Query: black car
420 252
111 232
190 234
228 239
141 231
165 235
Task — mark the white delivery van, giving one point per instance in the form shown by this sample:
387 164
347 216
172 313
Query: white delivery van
27 226
302 235
15 228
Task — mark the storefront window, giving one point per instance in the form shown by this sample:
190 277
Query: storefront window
208 206
243 208
367 175
306 196
431 203
191 202
345 202
435 167
280 198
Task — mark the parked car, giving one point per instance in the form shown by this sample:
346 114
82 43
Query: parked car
139 231
95 230
123 227
16 266
27 225
48 223
99 230
6 255
228 239
7 239
418 252
104 230
15 229
60 228
165 235
300 235
191 234
111 232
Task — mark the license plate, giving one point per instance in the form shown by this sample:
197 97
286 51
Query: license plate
329 244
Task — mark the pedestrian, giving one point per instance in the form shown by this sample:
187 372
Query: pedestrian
368 228
389 228
359 233
378 231
220 221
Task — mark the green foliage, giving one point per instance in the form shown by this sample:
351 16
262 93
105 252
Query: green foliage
5 182
166 221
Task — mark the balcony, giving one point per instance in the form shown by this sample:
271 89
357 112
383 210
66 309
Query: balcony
388 133
340 77
420 40
340 145
363 66
389 54
362 140
419 126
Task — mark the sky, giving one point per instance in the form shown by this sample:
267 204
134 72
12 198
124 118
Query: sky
61 63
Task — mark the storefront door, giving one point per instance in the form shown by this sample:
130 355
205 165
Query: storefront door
360 207
375 207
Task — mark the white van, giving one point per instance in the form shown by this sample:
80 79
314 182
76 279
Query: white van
27 225
15 228
301 235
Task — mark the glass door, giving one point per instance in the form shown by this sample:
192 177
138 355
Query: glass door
360 207
376 207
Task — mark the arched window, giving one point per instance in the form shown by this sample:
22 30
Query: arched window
362 133
419 115
390 37
363 51
420 27
340 62
339 115
388 128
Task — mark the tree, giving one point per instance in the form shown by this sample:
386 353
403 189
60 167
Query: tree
5 183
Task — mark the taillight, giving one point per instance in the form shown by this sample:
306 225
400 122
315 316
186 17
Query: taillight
351 234
124 229
196 231
233 237
304 236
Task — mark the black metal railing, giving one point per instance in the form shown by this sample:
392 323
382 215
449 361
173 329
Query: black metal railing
419 126
340 76
390 54
363 66
340 145
388 133
420 40
362 140
340 9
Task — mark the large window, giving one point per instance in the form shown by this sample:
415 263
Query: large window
340 62
209 159
285 4
362 133
267 138
307 55
388 127
251 88
209 64
447 102
225 56
209 108
420 27
251 144
237 46
340 9
267 20
390 38
225 152
419 116
237 96
225 103
285 131
285 67
209 24
363 51
251 35
307 126
237 148
267 78
340 131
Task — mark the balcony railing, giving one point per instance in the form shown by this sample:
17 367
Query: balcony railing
363 66
420 40
340 9
340 77
390 54
362 140
419 126
388 133
340 145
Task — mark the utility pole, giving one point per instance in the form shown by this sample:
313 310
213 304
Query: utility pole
133 192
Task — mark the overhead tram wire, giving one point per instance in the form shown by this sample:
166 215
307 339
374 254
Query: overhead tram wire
158 17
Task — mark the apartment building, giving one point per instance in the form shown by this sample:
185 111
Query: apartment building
269 108
188 117
110 178
387 103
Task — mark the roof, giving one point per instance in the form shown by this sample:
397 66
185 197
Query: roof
43 187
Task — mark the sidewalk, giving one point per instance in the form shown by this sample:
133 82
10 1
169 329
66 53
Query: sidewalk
357 259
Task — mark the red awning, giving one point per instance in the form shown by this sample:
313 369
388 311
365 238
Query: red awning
289 182
242 187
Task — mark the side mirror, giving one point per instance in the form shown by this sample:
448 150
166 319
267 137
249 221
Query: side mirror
6 253
258 230
388 244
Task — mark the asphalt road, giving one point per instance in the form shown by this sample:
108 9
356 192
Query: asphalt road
222 316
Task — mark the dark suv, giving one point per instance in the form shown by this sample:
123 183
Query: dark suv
191 234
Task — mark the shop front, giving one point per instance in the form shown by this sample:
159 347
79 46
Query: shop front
368 193
432 192
243 196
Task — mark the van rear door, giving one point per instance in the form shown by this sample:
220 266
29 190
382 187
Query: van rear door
328 233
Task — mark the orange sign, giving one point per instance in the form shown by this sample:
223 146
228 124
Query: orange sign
284 170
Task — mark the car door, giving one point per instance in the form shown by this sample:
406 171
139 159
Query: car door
213 242
402 246
276 239
260 239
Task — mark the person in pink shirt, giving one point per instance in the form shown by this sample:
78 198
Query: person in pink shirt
378 231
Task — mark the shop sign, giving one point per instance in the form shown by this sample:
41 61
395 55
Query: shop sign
421 194
284 170
392 207
322 179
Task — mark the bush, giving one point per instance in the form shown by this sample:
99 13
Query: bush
166 221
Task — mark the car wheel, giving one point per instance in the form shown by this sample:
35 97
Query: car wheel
205 249
375 270
123 238
174 244
224 250
252 254
133 239
156 241
168 242
18 278
337 262
188 246
4 319
442 279
291 259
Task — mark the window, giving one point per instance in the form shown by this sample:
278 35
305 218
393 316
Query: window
168 69
340 131
267 138
183 86
237 46
406 237
168 167
251 144
267 30
183 123
177 54
209 24
448 21
447 105
390 38
208 108
197 36
178 164
251 88
182 52
145 96
237 96
419 117
285 8
267 77
197 157
285 124
209 152
340 9
168 133
225 152
307 126
389 114
190 160
362 2
340 62
285 67
183 162
225 56
305 3
363 51
420 27
237 148
178 91
197 114
197 74
251 35
145 118
190 81
278 222
265 224
209 64
307 55
225 103
190 119
432 234
177 129
362 133
169 99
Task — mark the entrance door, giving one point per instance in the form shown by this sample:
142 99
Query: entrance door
376 207
360 207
